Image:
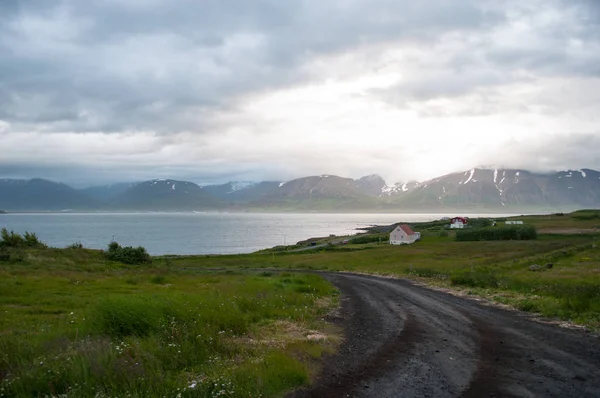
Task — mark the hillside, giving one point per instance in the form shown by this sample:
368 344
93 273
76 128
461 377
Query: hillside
476 190
42 195
504 189
163 194
325 192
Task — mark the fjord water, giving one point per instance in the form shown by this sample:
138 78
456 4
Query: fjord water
193 233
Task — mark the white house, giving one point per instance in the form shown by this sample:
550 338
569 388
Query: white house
518 222
459 222
403 235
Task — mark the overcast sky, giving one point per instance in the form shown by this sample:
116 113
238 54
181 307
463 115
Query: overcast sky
210 91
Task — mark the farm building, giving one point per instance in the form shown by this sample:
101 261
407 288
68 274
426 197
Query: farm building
459 222
403 235
517 222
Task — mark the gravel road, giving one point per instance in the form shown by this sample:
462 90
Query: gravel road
404 340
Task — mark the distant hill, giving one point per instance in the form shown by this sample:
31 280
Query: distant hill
163 194
479 189
241 192
325 192
503 189
42 195
105 193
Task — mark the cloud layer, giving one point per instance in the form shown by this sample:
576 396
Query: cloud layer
113 90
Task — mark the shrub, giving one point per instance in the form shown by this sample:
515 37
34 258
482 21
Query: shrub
513 232
369 238
480 222
426 273
128 254
158 280
14 240
4 254
475 279
586 215
75 245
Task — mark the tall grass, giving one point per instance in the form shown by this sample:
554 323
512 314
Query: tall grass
78 334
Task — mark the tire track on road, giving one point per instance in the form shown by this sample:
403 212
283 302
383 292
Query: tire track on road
404 340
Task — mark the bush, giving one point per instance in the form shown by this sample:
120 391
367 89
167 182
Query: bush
158 280
14 240
426 273
480 222
517 232
369 238
586 215
475 279
75 245
4 254
128 254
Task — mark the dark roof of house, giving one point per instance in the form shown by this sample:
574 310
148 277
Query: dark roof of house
406 229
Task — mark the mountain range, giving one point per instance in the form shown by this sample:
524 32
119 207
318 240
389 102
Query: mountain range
476 190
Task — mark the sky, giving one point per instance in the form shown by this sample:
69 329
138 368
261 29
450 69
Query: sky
210 91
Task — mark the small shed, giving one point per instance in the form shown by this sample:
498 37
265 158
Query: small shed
403 235
458 222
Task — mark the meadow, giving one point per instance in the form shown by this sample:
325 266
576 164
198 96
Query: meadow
76 324
499 270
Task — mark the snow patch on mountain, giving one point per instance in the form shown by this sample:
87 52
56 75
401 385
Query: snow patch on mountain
471 174
240 185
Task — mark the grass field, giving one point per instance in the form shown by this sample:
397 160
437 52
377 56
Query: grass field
76 324
498 270
73 323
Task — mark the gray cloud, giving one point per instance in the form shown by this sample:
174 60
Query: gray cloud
537 40
127 65
179 76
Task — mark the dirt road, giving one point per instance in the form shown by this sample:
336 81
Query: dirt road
404 340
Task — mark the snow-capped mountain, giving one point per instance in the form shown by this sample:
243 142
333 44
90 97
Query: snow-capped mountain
502 188
472 190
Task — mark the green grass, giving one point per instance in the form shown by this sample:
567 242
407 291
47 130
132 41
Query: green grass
498 270
74 323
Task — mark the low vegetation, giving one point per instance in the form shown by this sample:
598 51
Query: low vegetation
79 322
75 324
513 232
586 215
12 240
128 254
370 238
564 284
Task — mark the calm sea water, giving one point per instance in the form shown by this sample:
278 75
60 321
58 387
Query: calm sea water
193 233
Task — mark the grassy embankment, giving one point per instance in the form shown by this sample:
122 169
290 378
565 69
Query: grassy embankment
73 322
498 270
